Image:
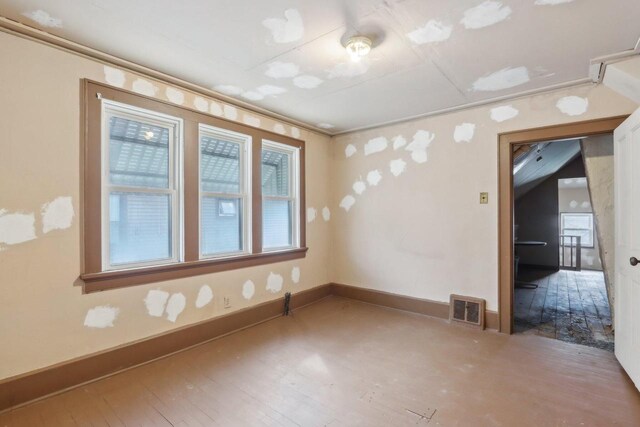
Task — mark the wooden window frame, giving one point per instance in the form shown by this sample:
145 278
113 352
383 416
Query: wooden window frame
93 276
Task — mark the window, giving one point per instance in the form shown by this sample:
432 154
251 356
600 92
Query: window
170 192
578 224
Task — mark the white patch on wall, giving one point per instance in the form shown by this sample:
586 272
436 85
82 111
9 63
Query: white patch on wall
573 204
376 145
311 215
279 128
100 317
174 95
347 202
374 177
282 70
295 274
307 82
251 121
201 104
348 69
464 132
252 95
585 205
418 147
399 142
230 112
155 302
248 289
271 90
432 32
274 283
287 30
326 214
216 109
359 187
485 14
205 296
350 150
589 259
43 18
573 105
175 306
503 113
230 90
57 215
397 167
16 227
295 132
325 125
503 79
114 76
551 2
144 87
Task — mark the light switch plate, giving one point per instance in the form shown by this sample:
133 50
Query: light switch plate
484 198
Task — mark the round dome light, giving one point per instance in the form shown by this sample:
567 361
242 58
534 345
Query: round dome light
358 46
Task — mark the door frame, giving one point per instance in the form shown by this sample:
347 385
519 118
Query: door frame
506 142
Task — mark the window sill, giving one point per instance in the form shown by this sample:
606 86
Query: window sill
105 280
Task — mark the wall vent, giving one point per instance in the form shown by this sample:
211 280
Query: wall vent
467 310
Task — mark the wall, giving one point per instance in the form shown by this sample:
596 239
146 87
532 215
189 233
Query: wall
42 310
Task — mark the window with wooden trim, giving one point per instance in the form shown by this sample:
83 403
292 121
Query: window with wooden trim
170 192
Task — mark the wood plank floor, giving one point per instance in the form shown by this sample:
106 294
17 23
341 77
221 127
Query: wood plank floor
568 305
344 363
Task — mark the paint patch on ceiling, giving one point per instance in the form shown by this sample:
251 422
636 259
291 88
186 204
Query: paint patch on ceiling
230 112
16 228
57 215
311 215
307 81
248 290
573 204
43 18
359 187
348 69
347 202
295 274
432 32
376 145
295 132
551 2
503 79
573 105
252 95
175 306
325 125
397 167
279 128
251 121
201 104
374 177
271 90
585 205
216 109
274 283
418 147
326 214
350 150
155 302
287 30
205 296
399 142
503 113
282 70
101 317
464 132
174 95
114 76
144 87
485 14
230 90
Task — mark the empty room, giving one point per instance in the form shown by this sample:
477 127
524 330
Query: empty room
339 213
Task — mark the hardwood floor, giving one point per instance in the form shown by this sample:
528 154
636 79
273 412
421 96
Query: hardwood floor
342 363
568 305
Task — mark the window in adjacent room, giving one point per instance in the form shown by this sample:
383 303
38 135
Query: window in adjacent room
578 224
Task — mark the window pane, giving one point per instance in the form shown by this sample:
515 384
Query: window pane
586 236
576 220
219 165
138 153
221 225
275 173
276 223
139 227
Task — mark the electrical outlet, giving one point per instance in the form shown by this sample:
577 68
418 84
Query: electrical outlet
484 198
227 302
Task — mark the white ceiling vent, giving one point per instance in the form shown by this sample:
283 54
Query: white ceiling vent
467 310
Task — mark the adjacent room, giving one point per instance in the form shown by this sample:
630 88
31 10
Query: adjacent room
342 213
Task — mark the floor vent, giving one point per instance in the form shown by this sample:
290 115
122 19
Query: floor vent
467 310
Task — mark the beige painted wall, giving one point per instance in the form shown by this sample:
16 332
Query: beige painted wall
41 311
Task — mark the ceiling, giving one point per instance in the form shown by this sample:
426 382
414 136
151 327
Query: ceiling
286 56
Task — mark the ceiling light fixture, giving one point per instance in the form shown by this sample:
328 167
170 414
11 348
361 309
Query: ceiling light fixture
358 47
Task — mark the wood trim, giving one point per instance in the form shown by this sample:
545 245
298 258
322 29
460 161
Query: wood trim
506 144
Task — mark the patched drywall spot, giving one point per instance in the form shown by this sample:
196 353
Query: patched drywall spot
287 30
205 296
464 132
174 95
376 145
350 150
114 76
279 128
311 215
216 109
295 274
155 302
326 214
503 113
399 141
503 79
43 18
573 204
175 306
585 205
348 69
418 147
295 132
485 14
230 90
359 187
282 70
251 121
347 202
144 87
16 227
271 90
325 125
252 95
100 317
230 112
573 105
248 289
374 177
551 2
307 81
57 215
432 32
201 104
397 167
274 283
